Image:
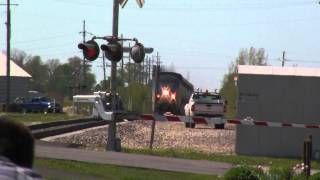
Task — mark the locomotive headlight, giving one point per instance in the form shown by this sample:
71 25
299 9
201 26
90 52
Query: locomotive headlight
173 96
165 91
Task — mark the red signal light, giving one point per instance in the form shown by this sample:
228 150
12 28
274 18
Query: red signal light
113 51
90 50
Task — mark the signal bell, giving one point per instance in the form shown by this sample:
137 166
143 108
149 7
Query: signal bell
90 50
113 51
137 53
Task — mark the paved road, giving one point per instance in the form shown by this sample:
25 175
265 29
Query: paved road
59 151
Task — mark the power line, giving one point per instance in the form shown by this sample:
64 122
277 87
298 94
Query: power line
42 39
214 7
49 47
92 4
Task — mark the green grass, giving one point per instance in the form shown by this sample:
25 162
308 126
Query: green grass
116 172
233 159
30 118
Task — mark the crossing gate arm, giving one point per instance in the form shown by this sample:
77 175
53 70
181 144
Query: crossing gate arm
185 119
210 121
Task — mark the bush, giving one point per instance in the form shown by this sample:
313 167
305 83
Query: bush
242 173
280 173
316 176
301 176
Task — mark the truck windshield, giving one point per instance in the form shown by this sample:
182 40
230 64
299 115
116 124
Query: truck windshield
208 98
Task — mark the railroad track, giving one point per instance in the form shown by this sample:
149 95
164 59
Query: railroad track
43 130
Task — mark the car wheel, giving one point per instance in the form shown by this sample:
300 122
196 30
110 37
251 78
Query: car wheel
45 111
219 126
24 110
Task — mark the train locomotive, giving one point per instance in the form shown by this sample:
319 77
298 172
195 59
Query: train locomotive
173 92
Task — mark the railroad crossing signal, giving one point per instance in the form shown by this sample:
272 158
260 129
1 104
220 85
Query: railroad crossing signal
90 50
124 2
113 51
140 3
137 53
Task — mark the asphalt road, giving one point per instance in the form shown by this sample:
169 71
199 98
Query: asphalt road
61 151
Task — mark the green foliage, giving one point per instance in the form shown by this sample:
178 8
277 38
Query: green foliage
280 173
315 176
274 173
303 176
55 79
228 88
39 72
31 118
228 92
242 173
233 159
111 172
136 97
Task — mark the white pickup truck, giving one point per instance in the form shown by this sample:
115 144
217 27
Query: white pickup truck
207 104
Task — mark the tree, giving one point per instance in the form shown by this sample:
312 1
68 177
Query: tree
67 79
18 56
228 88
136 97
39 72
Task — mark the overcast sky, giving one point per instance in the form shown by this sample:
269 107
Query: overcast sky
199 38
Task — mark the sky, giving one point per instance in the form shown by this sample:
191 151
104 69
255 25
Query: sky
198 38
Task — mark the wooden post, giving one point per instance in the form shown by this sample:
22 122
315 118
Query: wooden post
307 155
154 106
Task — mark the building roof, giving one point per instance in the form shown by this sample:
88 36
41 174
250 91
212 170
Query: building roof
15 70
280 71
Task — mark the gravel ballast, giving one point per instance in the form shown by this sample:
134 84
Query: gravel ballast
136 134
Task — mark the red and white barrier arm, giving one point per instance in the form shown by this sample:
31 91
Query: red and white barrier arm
271 124
205 120
187 119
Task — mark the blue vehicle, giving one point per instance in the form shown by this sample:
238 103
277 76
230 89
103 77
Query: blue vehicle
38 104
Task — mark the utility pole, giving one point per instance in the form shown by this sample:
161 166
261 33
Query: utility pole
158 60
154 99
8 24
8 54
149 69
84 32
283 58
129 69
122 72
111 141
104 72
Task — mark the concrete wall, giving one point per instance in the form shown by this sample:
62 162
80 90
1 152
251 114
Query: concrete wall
274 98
19 88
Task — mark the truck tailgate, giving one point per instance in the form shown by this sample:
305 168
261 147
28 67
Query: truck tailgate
217 108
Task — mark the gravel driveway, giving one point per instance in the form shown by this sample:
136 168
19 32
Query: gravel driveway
136 134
